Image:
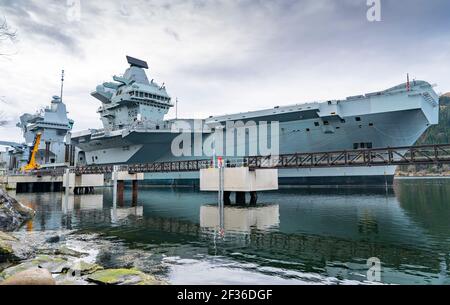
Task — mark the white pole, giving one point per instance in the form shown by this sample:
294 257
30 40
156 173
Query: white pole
114 177
66 191
220 199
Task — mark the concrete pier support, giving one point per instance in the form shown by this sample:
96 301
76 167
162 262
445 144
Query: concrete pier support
82 184
135 193
120 190
226 198
119 178
240 180
253 198
240 198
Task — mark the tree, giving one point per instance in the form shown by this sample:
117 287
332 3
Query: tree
3 119
6 33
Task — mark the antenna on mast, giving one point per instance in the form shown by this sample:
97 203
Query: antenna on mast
408 85
62 85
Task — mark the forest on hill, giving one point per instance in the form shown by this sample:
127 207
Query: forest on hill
439 134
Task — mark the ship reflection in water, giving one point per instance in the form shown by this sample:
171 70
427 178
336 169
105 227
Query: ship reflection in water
305 236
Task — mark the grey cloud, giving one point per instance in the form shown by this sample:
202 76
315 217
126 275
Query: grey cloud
44 21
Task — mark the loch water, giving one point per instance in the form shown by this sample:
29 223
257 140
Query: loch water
293 236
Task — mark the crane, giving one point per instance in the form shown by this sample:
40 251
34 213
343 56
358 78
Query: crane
32 164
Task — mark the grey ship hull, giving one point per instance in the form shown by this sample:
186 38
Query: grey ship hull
391 118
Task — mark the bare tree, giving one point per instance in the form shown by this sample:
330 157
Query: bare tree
3 121
3 118
6 33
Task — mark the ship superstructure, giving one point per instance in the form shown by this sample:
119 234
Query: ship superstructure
132 99
135 131
53 125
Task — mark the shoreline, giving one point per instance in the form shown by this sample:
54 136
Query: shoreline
67 258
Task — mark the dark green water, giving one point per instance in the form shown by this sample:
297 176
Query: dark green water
296 236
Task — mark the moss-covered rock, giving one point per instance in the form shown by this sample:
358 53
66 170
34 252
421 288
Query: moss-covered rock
64 250
5 248
122 277
55 264
6 237
6 251
81 268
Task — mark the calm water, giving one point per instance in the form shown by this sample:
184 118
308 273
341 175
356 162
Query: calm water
296 236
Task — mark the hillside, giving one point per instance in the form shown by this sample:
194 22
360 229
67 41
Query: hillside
441 133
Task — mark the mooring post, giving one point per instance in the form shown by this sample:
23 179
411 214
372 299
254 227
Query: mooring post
114 177
120 190
135 193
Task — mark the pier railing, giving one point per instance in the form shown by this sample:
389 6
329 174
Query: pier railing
395 156
391 156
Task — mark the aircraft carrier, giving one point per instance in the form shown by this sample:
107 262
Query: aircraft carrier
135 131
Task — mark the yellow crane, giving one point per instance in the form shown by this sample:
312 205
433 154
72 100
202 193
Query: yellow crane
32 164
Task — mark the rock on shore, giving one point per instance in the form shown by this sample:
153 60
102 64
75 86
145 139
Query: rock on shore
34 276
35 261
12 213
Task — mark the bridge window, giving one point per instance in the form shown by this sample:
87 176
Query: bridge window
367 145
358 119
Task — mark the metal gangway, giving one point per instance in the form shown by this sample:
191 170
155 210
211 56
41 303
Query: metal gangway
390 156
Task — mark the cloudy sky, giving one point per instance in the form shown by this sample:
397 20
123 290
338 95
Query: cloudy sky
218 56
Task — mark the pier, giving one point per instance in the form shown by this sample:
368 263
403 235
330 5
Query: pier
390 156
245 173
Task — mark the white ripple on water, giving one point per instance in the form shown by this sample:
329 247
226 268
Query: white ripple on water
220 271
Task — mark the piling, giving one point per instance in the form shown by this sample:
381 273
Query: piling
120 190
135 193
240 198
